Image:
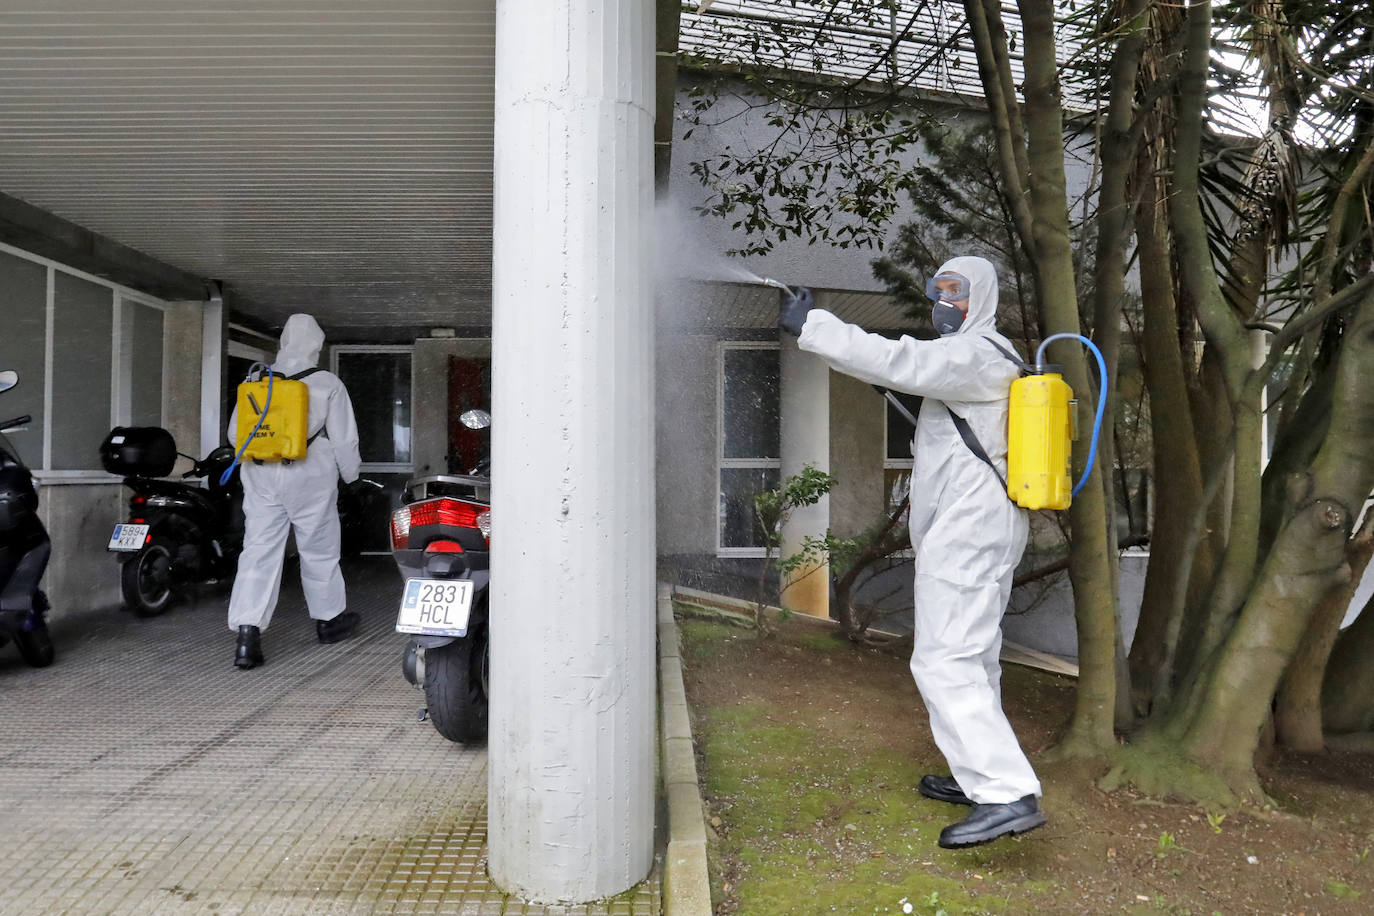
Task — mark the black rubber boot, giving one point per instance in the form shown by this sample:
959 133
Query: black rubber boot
336 628
986 823
943 788
248 653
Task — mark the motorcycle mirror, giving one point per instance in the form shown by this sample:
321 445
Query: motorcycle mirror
9 378
475 419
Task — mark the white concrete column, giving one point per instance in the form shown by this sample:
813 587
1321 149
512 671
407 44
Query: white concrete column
805 430
212 425
571 751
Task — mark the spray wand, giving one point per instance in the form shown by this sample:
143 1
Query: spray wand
262 415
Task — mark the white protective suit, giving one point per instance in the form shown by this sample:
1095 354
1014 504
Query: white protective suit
302 494
967 534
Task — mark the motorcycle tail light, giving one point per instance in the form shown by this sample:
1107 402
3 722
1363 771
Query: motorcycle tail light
138 521
400 528
138 499
443 547
445 510
442 510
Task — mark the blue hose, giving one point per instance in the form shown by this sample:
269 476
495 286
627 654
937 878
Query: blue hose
1101 397
229 471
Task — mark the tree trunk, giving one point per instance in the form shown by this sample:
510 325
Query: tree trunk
1348 694
1297 711
1177 471
1109 289
1091 732
1307 560
1294 448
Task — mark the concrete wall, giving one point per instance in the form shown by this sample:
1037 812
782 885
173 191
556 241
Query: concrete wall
740 122
686 447
1041 617
857 443
181 377
81 574
429 397
79 515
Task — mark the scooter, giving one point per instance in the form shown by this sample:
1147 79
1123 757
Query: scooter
177 534
441 539
24 551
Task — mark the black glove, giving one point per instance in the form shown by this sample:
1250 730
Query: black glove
359 488
792 315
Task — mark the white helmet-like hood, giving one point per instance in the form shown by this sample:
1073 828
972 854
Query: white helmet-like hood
301 343
982 297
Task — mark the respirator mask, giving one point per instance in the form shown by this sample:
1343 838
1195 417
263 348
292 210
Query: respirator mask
944 289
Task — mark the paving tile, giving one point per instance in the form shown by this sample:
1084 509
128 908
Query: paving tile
143 774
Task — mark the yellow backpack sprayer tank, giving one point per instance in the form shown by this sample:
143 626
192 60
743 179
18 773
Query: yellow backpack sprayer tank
1039 441
1040 433
273 418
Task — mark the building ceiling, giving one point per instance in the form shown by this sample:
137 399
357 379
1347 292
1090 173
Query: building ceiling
331 156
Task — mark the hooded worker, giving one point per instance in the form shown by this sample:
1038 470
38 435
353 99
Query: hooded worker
967 534
303 495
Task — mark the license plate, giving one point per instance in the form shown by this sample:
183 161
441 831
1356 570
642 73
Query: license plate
435 607
128 537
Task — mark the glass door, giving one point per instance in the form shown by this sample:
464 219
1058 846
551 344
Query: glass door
378 383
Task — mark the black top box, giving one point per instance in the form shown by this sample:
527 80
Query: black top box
139 451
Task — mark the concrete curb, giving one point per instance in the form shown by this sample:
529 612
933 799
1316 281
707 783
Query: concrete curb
686 882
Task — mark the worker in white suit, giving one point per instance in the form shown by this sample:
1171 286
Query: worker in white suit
303 494
967 534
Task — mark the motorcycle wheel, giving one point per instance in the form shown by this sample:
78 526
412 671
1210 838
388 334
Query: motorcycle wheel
146 580
456 688
35 646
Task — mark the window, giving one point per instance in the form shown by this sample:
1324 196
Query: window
748 437
897 461
24 303
89 356
378 383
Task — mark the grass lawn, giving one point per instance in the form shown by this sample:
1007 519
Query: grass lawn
809 751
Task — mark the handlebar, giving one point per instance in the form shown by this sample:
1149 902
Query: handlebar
17 421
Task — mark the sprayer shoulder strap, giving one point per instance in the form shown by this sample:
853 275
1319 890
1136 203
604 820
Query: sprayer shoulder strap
296 378
971 440
1020 363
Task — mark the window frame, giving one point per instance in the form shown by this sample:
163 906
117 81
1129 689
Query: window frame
723 463
119 409
896 464
381 467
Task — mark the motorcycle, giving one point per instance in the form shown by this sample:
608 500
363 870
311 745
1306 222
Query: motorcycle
177 534
440 539
24 551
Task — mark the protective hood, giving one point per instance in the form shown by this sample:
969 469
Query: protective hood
301 342
982 297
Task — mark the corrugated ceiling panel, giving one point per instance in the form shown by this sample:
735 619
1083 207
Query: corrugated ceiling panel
330 155
933 50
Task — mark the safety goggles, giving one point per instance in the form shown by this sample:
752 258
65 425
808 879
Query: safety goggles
947 287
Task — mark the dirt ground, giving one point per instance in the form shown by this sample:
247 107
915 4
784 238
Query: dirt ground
809 751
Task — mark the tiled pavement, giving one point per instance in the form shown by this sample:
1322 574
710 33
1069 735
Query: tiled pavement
142 773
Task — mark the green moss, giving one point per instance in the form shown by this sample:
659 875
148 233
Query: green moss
1341 889
826 641
1157 768
822 827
